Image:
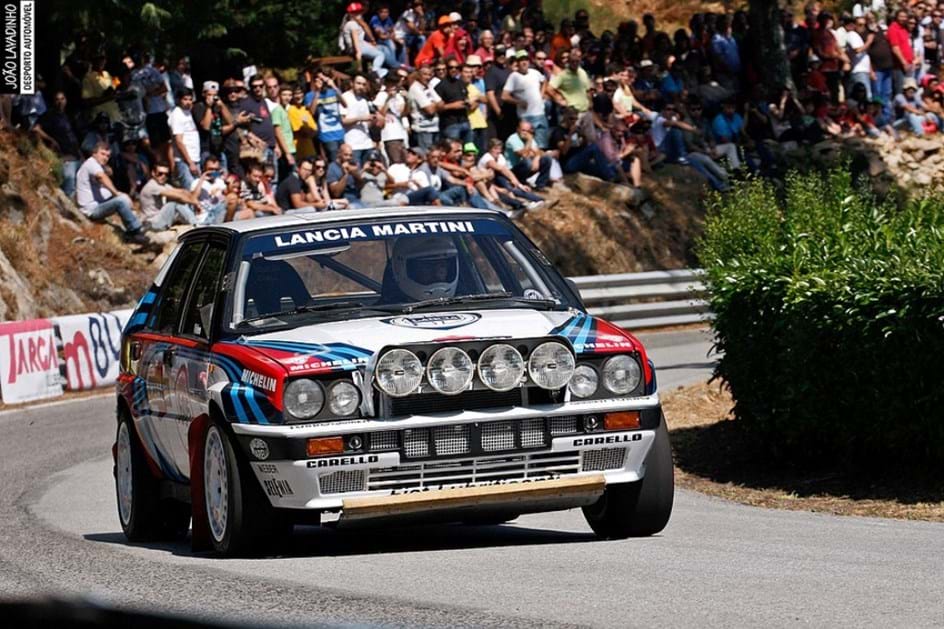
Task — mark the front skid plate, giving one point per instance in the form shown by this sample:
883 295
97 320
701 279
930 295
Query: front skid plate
579 490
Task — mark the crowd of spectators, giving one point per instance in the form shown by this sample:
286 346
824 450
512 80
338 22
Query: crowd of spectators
488 106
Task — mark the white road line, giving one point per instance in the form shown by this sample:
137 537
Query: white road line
26 409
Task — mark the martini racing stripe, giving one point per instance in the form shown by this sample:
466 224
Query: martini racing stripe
325 353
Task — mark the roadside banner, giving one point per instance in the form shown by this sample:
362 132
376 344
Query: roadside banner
91 347
29 364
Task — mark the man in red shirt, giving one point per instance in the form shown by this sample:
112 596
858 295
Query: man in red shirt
900 40
435 46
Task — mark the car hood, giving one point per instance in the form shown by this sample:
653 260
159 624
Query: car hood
345 345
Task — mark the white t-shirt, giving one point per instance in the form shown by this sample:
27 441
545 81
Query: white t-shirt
181 123
423 96
527 88
487 158
860 61
89 192
357 134
393 127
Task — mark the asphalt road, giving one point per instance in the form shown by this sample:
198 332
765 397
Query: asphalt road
716 564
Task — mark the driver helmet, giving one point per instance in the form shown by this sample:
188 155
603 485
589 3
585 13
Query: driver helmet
426 267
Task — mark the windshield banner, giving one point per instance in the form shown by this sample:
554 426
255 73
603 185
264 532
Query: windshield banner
335 235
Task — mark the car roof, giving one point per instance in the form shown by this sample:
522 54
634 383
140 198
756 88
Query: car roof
304 218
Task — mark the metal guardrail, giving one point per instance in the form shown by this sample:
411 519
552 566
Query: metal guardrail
652 299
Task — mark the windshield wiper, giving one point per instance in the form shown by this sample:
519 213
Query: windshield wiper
467 299
329 307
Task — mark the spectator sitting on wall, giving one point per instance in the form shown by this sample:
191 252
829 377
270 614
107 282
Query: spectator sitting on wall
98 198
253 192
163 205
526 158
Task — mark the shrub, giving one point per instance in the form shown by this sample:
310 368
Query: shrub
830 312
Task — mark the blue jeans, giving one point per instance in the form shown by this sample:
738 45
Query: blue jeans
541 129
360 154
69 169
331 148
376 57
185 178
673 145
423 196
461 131
425 139
590 160
456 195
503 182
120 204
882 88
523 170
168 214
389 49
413 43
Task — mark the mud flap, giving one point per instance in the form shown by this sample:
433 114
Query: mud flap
200 532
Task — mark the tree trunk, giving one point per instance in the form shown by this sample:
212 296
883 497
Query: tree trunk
766 25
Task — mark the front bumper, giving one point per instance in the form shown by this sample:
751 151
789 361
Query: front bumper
332 483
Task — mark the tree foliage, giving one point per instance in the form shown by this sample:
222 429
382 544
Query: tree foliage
222 33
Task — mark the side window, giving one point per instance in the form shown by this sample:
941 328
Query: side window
205 288
174 291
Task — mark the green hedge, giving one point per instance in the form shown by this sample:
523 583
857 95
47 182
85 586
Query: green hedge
830 314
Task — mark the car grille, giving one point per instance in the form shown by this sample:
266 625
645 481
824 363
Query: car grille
430 475
426 403
605 459
342 482
480 438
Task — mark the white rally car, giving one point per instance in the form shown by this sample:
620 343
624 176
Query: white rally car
378 366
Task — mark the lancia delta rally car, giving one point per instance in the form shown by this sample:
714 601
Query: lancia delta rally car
378 366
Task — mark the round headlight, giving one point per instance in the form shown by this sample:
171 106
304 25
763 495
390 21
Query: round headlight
343 398
303 398
399 372
501 367
551 365
450 370
585 381
621 374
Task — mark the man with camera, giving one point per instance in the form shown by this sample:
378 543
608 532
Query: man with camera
324 103
357 116
260 120
344 177
215 122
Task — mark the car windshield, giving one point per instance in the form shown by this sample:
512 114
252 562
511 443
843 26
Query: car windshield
360 269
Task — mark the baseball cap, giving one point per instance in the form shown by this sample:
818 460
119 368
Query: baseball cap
909 84
444 19
419 151
473 60
211 85
522 54
470 147
645 63
373 156
455 17
355 7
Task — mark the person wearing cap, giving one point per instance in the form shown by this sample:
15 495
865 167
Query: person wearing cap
435 46
526 88
910 109
214 122
569 87
354 36
476 86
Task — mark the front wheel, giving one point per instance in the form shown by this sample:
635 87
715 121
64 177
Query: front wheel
642 508
240 518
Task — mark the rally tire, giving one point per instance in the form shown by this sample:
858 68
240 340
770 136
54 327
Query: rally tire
642 508
241 520
143 516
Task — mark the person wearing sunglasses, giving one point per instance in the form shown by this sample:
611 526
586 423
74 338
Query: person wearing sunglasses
163 205
260 120
454 114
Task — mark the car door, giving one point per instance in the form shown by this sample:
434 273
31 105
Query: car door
187 396
160 344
